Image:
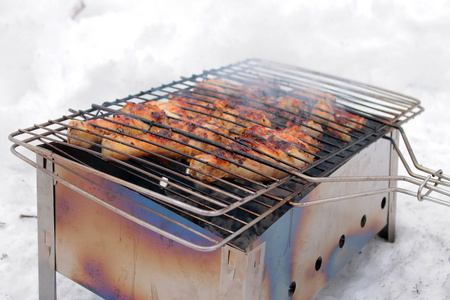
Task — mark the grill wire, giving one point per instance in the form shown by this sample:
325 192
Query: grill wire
238 210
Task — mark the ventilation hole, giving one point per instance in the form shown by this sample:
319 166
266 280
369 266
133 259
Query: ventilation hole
292 287
363 221
318 263
383 203
342 241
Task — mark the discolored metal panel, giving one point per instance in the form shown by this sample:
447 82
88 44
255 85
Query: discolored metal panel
119 259
309 245
293 259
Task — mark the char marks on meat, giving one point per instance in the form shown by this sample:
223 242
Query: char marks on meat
224 130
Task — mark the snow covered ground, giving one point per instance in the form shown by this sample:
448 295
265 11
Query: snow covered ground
57 55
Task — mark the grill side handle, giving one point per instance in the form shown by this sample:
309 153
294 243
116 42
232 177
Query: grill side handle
432 181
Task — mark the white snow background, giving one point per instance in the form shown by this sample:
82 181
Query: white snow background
57 55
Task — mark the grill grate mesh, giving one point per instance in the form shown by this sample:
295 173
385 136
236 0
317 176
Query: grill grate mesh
227 207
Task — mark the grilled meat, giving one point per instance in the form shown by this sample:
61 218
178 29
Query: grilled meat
161 142
192 124
229 164
226 164
171 109
262 89
148 111
216 89
338 122
303 148
231 112
309 127
166 142
293 105
87 133
237 117
192 106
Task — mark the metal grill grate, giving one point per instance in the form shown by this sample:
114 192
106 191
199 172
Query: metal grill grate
226 207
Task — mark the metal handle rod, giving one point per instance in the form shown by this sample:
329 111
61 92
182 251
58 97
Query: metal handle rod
416 179
414 159
368 193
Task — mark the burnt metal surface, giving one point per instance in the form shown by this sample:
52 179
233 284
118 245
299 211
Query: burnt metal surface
294 258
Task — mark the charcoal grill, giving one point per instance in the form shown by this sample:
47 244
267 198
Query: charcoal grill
143 228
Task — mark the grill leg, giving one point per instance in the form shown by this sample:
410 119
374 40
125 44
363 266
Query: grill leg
388 232
46 232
